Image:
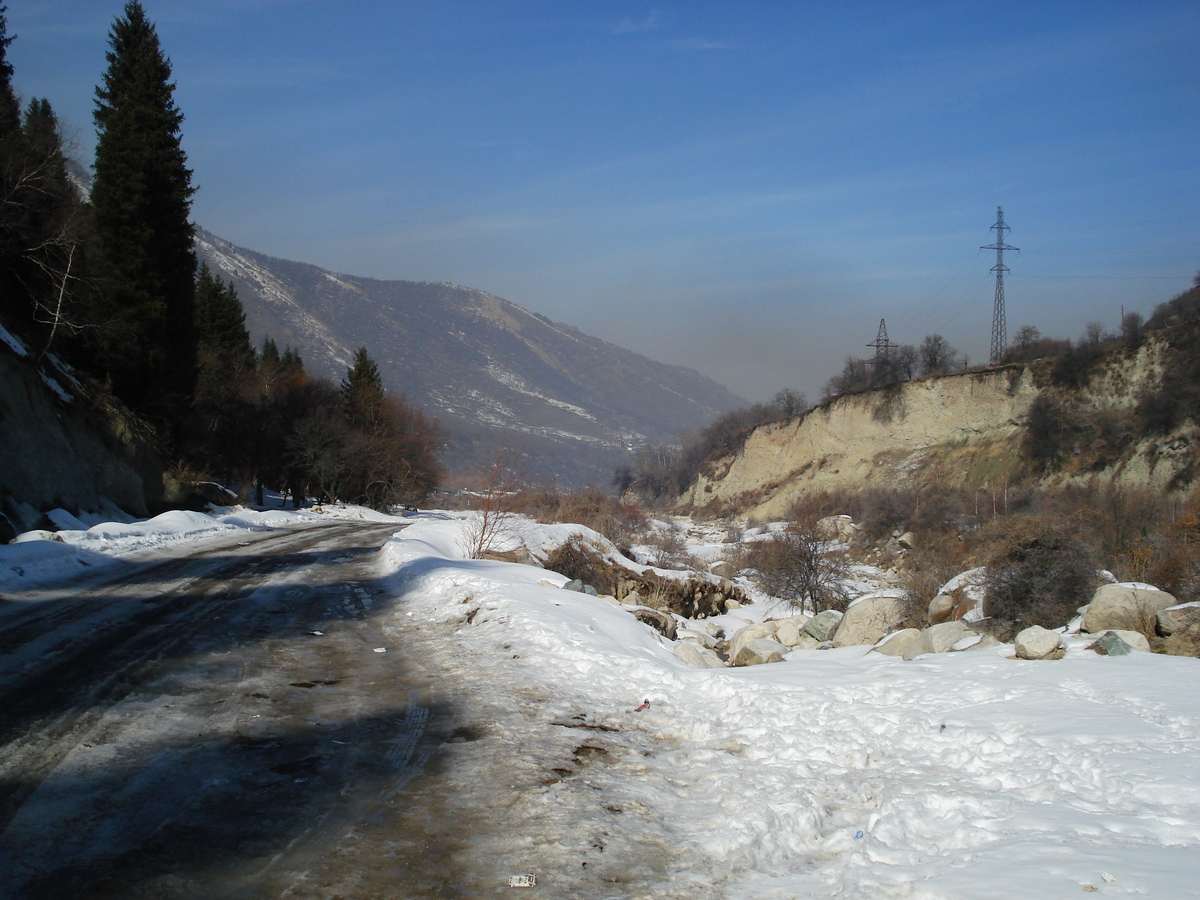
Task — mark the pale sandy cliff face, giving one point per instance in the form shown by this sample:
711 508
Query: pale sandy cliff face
964 430
961 431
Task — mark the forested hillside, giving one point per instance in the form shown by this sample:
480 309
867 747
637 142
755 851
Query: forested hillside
494 374
102 292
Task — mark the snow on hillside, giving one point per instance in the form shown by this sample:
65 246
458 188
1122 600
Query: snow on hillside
836 773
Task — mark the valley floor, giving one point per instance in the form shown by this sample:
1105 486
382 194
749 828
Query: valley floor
577 749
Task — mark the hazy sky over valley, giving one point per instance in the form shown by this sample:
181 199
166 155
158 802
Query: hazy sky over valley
742 187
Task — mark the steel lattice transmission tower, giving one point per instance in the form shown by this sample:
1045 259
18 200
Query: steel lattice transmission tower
881 343
999 327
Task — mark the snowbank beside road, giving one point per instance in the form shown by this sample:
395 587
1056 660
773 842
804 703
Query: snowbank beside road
844 773
39 557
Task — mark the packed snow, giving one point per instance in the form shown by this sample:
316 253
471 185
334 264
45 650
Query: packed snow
835 773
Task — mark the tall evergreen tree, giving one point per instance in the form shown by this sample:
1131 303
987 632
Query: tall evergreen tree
141 199
39 212
221 322
10 109
362 390
13 150
269 352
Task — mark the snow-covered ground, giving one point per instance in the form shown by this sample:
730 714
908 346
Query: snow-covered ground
40 557
836 773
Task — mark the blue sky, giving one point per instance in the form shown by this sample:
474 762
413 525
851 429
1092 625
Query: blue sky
741 187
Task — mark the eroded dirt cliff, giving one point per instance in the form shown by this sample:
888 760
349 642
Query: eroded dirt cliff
965 431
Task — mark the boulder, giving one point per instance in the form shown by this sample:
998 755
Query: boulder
38 534
743 636
723 569
1129 607
898 642
837 528
822 626
1176 618
869 618
704 639
699 657
758 651
938 638
1135 639
1036 642
1185 642
979 642
1003 631
216 494
960 598
663 623
808 643
950 607
789 630
907 541
1111 644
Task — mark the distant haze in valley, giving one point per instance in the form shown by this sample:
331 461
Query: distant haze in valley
743 189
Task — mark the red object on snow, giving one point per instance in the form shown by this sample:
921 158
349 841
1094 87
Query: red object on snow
645 705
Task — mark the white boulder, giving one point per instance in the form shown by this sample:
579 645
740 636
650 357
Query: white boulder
1036 642
870 617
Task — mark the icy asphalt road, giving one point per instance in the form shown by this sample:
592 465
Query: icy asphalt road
180 730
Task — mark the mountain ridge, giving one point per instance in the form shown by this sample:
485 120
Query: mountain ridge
495 373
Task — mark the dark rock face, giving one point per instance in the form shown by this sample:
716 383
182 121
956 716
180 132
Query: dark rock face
79 453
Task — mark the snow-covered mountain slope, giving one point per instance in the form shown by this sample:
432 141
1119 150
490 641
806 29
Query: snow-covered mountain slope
487 368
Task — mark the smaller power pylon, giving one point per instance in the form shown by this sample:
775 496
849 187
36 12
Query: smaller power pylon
999 326
882 345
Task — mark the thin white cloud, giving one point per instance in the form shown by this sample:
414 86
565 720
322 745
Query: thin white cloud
632 26
696 43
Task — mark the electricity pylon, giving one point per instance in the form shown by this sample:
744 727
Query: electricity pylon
999 327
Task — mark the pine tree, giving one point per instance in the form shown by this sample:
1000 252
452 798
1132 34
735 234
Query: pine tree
269 353
39 211
10 110
362 390
221 322
13 151
291 360
141 200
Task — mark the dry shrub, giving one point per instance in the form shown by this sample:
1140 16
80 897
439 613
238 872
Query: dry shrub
1039 574
575 559
795 565
668 550
926 512
816 506
1177 570
621 523
927 569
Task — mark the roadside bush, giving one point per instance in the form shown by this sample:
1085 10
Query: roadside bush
1040 573
621 523
795 565
668 550
575 559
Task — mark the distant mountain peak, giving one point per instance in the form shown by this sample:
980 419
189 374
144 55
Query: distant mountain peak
493 372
